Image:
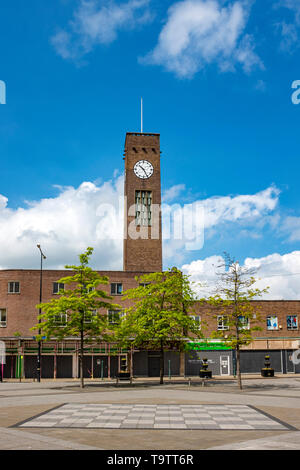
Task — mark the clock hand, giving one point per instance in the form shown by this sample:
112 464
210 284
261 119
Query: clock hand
143 170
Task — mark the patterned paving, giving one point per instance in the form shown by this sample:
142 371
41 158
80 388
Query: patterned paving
120 416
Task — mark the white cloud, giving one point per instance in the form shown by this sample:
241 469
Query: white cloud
281 273
64 226
173 192
92 215
289 30
201 32
291 227
236 208
261 85
203 219
96 22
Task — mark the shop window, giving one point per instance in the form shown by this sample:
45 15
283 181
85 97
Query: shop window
272 323
292 322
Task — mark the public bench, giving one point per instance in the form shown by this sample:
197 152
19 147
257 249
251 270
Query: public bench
123 376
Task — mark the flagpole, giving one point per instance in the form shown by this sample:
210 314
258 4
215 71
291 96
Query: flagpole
141 115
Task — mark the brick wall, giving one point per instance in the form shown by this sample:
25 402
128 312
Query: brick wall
21 308
142 254
22 312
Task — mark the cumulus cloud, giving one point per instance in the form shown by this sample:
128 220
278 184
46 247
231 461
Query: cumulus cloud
281 273
96 22
64 226
186 227
289 30
93 215
201 32
173 192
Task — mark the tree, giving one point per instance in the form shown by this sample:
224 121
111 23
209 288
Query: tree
160 316
75 312
238 317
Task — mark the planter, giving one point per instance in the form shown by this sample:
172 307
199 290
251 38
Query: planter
204 373
267 372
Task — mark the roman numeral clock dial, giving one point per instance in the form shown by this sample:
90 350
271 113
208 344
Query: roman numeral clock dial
143 169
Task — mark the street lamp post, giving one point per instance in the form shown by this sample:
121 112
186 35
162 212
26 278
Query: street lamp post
38 365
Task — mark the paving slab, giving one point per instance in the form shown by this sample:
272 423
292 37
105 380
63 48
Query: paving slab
172 400
162 417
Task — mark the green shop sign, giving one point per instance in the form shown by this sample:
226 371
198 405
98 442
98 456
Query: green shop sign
202 346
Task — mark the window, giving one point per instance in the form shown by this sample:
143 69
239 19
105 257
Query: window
143 204
197 319
292 322
61 319
222 322
244 323
3 318
272 323
116 288
88 317
144 284
86 289
57 286
14 287
114 316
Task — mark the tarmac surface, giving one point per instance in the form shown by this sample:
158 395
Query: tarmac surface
265 415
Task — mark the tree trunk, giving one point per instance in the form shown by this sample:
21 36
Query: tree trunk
238 368
81 360
161 378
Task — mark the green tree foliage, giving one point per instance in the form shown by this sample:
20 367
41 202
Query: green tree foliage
238 316
159 318
75 311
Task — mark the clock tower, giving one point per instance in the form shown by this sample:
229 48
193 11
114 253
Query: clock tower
142 193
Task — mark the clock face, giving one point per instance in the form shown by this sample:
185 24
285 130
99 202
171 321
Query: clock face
143 169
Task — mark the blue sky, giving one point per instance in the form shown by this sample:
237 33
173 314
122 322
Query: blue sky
216 80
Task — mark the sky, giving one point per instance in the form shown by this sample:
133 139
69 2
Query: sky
220 82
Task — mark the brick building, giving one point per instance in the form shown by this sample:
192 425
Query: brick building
20 290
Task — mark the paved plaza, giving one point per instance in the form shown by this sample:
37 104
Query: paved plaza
120 416
179 415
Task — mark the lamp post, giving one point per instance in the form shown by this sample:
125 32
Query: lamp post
38 365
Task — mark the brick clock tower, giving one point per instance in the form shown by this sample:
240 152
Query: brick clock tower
142 192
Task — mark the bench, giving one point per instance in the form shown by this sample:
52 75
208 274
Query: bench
124 376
